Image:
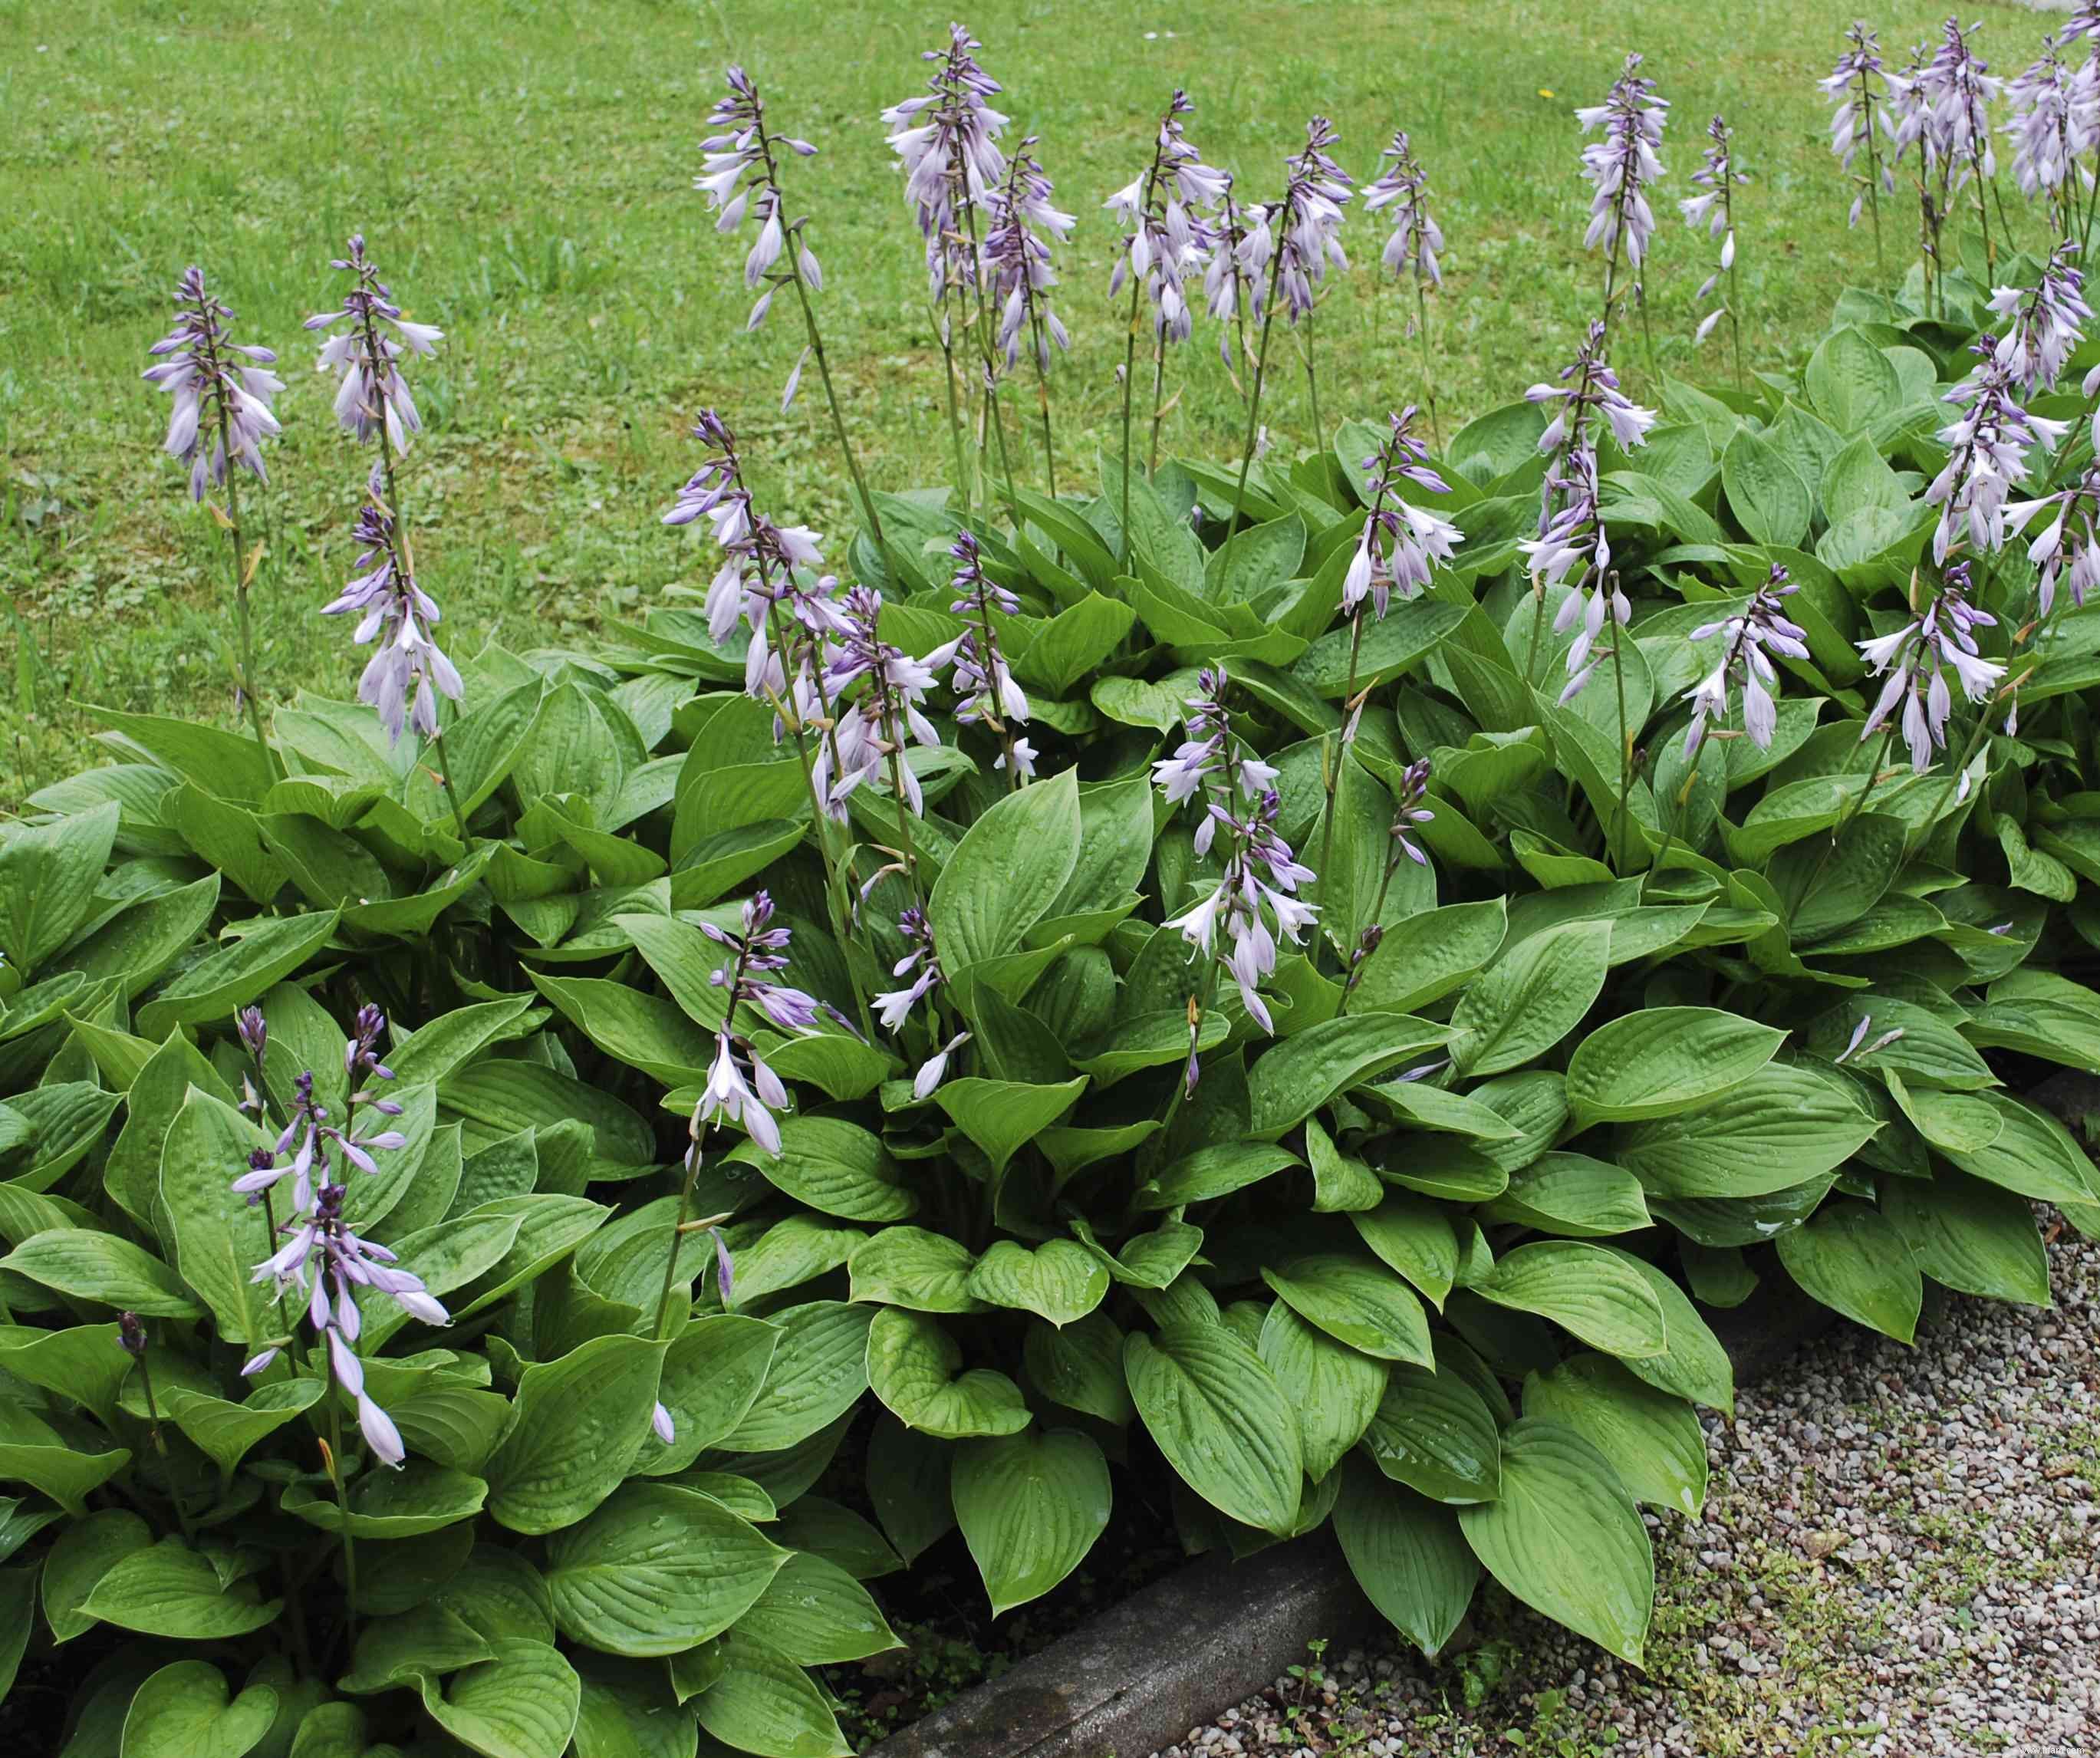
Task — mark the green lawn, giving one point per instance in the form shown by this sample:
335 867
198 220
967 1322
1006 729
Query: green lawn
522 170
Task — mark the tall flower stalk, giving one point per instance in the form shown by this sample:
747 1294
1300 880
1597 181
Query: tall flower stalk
2051 133
218 417
740 1089
771 579
1401 545
946 141
328 1261
374 403
1913 135
1295 240
1714 208
1859 119
1959 91
1620 165
1411 246
1024 226
740 175
1234 929
985 691
1409 815
1167 239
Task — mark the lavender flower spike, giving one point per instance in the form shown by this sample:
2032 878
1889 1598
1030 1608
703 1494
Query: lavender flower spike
1859 114
1024 225
407 670
1401 542
2044 324
372 396
1712 208
1987 453
1622 163
738 177
220 413
946 141
1916 656
872 730
740 1087
1745 661
2052 129
1168 237
1311 219
1404 187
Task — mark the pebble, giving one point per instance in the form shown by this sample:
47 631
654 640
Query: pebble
1899 1557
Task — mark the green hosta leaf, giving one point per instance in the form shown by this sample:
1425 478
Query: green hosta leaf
1001 1116
1006 872
87 1550
216 986
1221 1419
420 1497
835 1167
425 1641
839 1535
218 1243
1407 1554
1081 1367
1424 957
1765 492
1302 1073
1030 1506
1335 1390
522 1704
1849 1256
1073 643
575 1428
910 1266
816 1613
1212 1172
1694 1365
655 1570
1060 1280
1851 382
712 1373
74 1362
144 941
169 1590
1585 1289
1356 1302
2030 1153
102 1268
1662 1060
1566 1538
632 1710
795 1249
1433 1432
1782 1127
48 875
1342 1183
1411 631
766 1704
64 1473
1530 998
912 1365
907 1483
1653 1439
500 1594
819 1370
1415 1237
224 1430
1572 1195
1930 1054
1971 1236
186 1710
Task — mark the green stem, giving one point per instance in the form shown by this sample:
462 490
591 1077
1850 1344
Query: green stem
1158 381
1428 371
661 1328
1129 373
342 1504
1312 387
1669 830
245 620
1621 821
1042 402
1254 402
955 415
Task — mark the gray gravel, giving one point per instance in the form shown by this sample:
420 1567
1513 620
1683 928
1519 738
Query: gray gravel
1899 1556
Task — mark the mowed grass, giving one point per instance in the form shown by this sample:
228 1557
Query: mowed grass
522 171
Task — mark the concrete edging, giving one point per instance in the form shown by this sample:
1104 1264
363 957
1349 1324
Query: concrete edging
1175 1654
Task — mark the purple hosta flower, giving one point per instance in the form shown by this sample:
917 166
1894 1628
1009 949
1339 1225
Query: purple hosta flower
254 1031
1761 624
1400 541
1404 187
2051 127
764 567
948 143
309 1137
1169 238
1852 1051
1310 219
2070 536
1232 279
395 612
1860 110
1717 176
1259 889
1023 226
1987 455
1959 91
760 950
739 177
1915 658
320 1242
983 683
373 398
1209 757
1571 540
1409 811
2044 324
921 963
1623 162
871 731
221 388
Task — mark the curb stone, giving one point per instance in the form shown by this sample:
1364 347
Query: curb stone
1177 1654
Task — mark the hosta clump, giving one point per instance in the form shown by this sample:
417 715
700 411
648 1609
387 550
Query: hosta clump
1287 987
